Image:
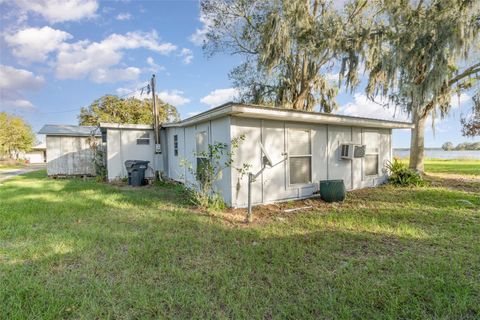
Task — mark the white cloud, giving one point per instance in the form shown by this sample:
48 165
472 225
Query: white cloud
219 96
187 55
361 106
13 83
174 97
19 104
199 37
123 16
60 10
153 66
34 44
82 58
132 92
115 75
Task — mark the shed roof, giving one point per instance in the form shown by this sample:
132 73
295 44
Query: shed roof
261 112
69 130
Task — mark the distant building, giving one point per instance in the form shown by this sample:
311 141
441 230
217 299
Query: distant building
37 154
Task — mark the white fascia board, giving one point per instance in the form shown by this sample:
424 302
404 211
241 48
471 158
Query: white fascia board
313 117
268 113
107 125
202 117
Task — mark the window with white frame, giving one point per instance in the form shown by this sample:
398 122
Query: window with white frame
300 156
201 143
371 159
175 145
201 152
144 138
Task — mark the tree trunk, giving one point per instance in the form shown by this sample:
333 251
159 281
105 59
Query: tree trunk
417 141
299 103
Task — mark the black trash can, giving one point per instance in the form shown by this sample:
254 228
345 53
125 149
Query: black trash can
332 190
136 172
129 167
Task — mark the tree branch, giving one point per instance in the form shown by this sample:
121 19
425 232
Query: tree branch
467 72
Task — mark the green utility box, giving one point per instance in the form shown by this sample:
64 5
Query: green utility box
332 190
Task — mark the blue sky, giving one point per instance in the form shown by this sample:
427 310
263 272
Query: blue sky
56 57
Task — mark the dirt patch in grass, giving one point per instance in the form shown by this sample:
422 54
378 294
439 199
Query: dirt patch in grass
454 181
366 198
276 211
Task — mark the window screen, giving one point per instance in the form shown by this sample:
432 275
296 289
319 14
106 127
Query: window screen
175 145
370 161
300 170
300 156
201 140
299 142
371 164
370 140
144 138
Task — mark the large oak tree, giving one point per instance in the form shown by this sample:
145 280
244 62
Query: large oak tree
110 108
287 47
419 54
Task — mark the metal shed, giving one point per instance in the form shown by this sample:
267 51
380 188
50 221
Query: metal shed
68 149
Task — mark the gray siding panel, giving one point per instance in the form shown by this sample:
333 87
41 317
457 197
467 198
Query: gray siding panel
273 184
69 156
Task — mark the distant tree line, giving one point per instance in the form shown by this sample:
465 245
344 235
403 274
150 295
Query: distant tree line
448 146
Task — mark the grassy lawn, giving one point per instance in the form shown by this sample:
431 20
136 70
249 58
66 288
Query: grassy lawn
12 166
79 249
461 167
465 167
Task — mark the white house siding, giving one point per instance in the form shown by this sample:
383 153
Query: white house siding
249 152
217 130
34 156
273 183
122 145
69 156
220 132
175 170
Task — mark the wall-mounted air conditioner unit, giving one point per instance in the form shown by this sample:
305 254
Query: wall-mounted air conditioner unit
349 151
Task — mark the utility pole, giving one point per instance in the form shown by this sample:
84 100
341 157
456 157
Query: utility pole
155 116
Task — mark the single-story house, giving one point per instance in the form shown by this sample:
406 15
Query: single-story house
68 149
37 154
303 147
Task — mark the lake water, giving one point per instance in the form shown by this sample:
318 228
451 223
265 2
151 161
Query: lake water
440 154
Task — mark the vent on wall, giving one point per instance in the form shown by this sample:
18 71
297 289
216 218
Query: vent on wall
350 151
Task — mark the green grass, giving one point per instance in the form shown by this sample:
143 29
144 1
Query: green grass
454 166
79 249
466 167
